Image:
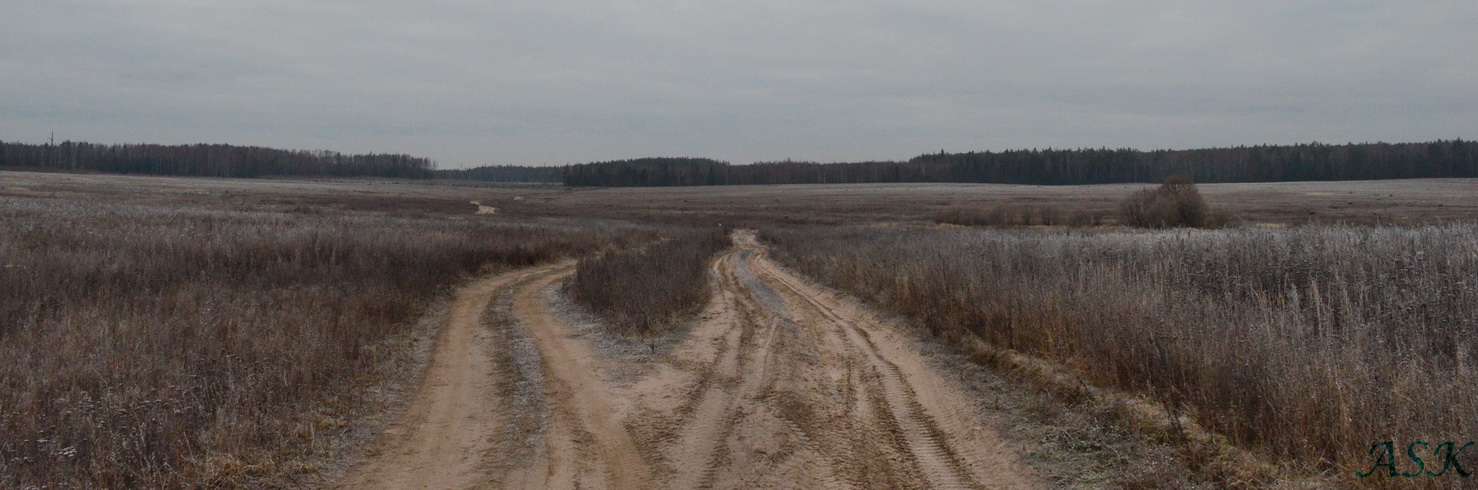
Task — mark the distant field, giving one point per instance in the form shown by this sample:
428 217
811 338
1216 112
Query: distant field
1359 202
400 197
1389 201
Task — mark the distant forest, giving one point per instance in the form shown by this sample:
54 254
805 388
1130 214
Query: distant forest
506 173
1314 161
208 161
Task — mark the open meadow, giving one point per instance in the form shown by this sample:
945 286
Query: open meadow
185 332
1411 201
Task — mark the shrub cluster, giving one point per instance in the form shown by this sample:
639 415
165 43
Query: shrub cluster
1175 204
645 291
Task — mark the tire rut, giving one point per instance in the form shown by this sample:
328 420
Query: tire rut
588 445
777 384
897 404
448 431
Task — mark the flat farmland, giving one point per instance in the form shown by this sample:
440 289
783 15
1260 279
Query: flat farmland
1413 201
1359 202
378 333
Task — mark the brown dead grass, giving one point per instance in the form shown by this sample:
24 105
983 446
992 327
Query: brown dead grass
1306 345
157 331
1382 202
172 346
645 291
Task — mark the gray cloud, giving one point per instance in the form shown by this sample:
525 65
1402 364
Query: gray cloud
477 82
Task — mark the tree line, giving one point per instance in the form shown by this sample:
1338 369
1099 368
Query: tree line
1304 162
209 160
505 173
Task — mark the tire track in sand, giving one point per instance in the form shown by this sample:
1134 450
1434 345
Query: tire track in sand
936 426
726 361
587 445
783 385
446 434
779 384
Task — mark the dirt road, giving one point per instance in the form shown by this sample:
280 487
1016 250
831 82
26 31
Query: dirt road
779 384
447 432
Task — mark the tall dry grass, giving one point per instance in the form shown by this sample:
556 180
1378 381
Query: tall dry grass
173 347
1309 344
1005 215
645 291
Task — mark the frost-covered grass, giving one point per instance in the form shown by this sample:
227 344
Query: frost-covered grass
1310 343
149 346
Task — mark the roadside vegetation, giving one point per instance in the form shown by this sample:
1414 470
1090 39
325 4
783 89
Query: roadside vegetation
1309 344
170 346
645 291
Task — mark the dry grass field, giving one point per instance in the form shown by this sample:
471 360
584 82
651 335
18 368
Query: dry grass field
184 332
1311 344
1402 202
176 345
1405 202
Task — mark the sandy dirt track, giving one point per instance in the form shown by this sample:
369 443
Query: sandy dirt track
445 435
779 384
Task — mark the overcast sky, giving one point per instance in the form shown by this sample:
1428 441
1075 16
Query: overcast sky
553 81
